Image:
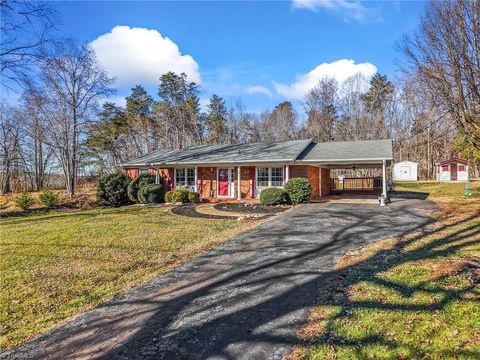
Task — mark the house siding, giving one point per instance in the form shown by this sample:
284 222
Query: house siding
247 182
207 181
133 172
311 173
324 182
167 178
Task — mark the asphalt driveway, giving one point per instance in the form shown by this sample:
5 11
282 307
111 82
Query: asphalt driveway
244 300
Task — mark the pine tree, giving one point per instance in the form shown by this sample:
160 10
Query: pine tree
216 121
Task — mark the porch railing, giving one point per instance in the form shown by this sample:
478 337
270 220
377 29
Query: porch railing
357 184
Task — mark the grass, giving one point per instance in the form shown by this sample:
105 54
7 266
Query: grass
415 297
57 264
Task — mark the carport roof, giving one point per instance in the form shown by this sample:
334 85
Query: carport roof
348 151
305 151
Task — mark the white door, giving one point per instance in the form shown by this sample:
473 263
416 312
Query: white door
405 172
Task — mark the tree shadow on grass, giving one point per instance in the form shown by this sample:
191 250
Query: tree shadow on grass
250 297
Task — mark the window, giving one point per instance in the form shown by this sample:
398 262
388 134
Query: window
143 171
262 177
444 167
184 177
461 168
269 177
277 176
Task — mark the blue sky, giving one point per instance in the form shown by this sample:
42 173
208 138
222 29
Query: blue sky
261 52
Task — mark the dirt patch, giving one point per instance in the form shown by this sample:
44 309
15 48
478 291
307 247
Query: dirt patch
250 208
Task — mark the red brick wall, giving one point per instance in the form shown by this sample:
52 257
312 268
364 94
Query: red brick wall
324 182
133 173
247 182
167 176
312 173
207 184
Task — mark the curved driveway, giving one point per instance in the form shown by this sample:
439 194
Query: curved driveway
246 299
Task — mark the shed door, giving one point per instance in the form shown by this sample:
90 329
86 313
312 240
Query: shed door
405 172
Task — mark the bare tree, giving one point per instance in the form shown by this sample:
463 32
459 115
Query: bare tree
321 107
445 55
37 153
71 84
10 147
25 27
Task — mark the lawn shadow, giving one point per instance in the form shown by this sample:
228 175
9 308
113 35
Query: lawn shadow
249 298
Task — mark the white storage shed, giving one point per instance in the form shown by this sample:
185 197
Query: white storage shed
405 171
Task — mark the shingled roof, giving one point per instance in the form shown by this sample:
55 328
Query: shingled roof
281 151
285 151
342 151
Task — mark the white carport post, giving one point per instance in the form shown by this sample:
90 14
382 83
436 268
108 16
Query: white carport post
287 173
384 182
239 185
196 179
157 176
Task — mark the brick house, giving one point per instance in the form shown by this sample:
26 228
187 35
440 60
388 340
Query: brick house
214 170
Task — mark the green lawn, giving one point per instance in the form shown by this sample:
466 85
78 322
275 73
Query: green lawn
416 297
60 263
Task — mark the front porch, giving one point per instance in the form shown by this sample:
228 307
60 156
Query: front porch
222 184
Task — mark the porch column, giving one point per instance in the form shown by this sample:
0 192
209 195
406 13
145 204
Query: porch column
384 182
196 179
157 176
239 185
287 173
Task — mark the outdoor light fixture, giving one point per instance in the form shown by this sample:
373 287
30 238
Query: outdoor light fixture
354 167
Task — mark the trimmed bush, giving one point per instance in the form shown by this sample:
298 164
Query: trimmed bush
177 196
298 190
24 201
151 194
49 197
112 190
193 197
136 184
273 196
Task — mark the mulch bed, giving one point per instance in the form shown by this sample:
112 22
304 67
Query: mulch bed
250 208
189 210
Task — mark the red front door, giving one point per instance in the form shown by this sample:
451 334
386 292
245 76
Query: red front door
222 182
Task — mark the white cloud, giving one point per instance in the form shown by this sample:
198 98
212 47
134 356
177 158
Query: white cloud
350 9
140 56
341 70
258 90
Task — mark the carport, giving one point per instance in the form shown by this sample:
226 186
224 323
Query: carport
353 155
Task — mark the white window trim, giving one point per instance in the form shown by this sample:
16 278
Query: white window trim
269 178
175 185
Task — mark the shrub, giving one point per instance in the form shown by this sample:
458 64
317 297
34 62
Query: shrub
151 194
112 190
136 184
49 197
24 201
4 205
177 196
193 197
298 190
273 196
